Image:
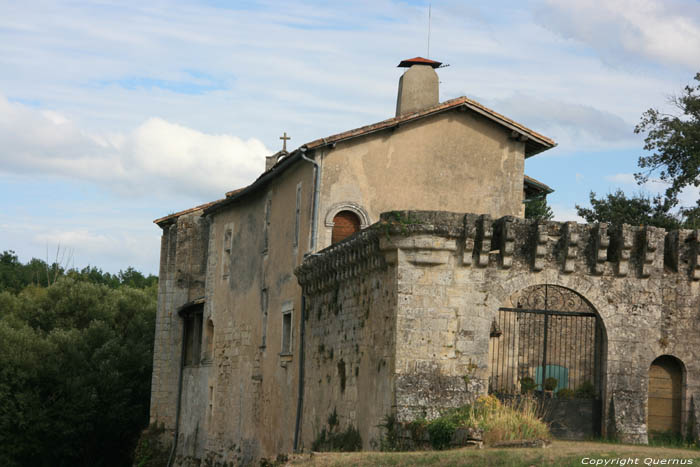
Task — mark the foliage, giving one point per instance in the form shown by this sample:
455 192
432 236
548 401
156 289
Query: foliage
550 384
585 391
75 370
565 393
441 431
674 141
395 438
537 208
527 385
150 450
15 276
514 420
640 209
331 439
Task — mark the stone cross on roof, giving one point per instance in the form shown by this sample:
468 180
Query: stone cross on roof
284 139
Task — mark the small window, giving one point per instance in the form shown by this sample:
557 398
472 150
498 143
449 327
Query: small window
286 329
297 216
263 303
228 237
228 247
266 226
193 336
345 223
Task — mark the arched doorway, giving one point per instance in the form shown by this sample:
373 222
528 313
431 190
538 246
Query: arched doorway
549 341
345 223
665 396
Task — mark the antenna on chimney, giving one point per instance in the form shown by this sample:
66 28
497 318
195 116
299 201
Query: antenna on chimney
430 5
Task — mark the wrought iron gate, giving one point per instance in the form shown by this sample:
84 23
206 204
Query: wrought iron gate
551 332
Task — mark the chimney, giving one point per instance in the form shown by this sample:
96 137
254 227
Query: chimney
418 86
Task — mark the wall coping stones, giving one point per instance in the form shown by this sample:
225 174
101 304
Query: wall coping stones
432 237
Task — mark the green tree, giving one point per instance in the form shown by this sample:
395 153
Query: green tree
640 209
674 140
537 208
75 372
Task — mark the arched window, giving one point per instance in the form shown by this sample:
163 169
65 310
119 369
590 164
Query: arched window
345 223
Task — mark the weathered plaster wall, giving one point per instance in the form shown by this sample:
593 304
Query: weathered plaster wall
425 165
350 342
454 271
240 403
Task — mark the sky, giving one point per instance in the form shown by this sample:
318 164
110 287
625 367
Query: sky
115 113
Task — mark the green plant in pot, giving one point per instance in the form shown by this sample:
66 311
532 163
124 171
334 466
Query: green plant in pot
527 385
550 384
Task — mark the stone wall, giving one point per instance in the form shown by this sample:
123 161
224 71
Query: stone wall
454 271
181 280
349 339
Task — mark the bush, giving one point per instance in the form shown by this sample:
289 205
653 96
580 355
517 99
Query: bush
441 431
516 420
585 391
332 440
151 449
550 384
566 393
527 385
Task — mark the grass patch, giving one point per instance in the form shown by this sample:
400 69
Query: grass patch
498 421
494 420
560 453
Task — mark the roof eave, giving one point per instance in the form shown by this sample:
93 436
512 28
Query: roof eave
275 171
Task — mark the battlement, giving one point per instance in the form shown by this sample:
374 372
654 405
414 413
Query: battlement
479 241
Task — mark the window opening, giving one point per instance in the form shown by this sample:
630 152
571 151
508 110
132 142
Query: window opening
345 223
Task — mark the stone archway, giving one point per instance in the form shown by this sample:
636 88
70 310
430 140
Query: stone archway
665 399
550 341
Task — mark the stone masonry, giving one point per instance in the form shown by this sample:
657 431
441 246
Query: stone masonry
398 316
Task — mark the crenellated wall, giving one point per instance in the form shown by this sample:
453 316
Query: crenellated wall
450 273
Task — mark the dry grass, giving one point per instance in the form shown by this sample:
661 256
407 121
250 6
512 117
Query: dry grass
560 453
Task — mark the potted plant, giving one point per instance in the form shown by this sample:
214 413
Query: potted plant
527 385
550 384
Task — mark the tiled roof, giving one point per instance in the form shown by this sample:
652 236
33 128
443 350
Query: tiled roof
172 217
535 143
538 185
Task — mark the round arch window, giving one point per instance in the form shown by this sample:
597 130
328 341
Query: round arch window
345 223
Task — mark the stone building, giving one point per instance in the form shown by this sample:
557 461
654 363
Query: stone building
295 298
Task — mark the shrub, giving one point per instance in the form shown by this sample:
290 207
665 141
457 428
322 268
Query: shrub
550 384
527 385
441 431
566 393
332 440
585 391
151 450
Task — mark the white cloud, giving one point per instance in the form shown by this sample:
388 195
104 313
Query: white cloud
158 157
565 214
624 178
571 125
667 31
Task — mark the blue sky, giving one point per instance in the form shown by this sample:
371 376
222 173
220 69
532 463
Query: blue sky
115 113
